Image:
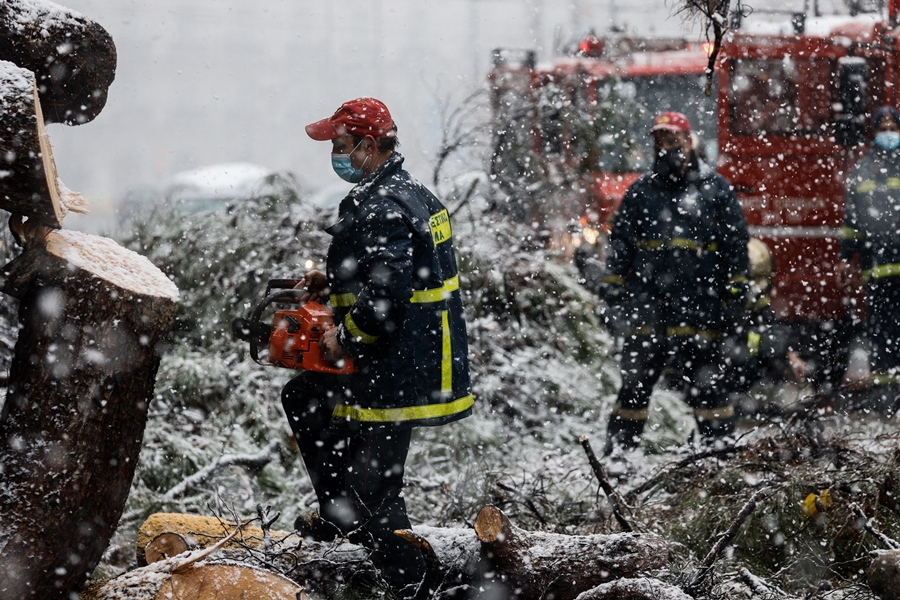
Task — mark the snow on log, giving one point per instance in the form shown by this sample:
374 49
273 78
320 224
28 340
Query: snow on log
557 566
639 588
28 180
73 57
883 576
92 315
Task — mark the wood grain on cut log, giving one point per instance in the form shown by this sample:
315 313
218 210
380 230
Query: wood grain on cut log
92 315
73 57
197 576
559 567
203 532
640 588
28 181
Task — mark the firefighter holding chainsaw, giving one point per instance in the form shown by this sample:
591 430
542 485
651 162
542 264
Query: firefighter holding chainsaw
677 265
391 278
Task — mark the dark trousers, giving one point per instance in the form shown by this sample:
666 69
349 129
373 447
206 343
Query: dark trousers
357 477
697 367
883 331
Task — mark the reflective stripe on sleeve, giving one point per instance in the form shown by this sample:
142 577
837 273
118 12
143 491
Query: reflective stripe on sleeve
753 343
890 270
342 300
358 333
410 413
864 187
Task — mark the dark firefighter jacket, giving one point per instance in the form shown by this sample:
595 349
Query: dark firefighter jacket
680 251
872 215
395 293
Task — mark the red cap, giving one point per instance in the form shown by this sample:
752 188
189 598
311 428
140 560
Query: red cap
363 116
671 121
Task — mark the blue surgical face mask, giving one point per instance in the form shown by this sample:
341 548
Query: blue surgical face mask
341 165
887 140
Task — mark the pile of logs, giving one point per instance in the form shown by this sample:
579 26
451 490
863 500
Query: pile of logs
495 553
91 317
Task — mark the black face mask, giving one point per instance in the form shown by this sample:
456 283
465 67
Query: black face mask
668 165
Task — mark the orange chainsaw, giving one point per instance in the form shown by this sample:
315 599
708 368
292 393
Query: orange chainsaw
294 334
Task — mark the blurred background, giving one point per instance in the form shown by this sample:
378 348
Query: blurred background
212 82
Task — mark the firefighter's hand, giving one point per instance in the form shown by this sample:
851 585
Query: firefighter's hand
316 285
798 365
331 350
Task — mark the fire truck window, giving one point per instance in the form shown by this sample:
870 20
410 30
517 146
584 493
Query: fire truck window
628 106
780 96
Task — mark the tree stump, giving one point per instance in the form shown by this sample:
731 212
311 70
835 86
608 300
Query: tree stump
559 567
92 316
73 57
883 576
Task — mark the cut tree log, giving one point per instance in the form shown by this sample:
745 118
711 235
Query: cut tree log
532 564
559 567
73 57
196 576
92 316
29 186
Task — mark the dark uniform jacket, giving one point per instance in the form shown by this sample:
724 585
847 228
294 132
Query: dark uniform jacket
872 214
679 250
395 293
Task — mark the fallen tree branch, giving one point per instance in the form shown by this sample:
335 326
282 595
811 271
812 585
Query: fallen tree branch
890 543
255 462
632 495
760 587
604 483
698 576
525 500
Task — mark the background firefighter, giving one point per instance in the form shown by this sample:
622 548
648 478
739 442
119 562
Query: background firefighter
871 222
392 278
678 264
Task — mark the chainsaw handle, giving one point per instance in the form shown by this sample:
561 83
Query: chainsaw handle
257 313
281 284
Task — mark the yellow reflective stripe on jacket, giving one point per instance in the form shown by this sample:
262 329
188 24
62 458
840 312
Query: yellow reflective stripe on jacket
890 270
738 279
866 186
753 343
893 183
678 242
711 414
848 233
884 378
358 333
687 330
614 279
342 300
409 413
436 294
419 296
685 243
630 414
446 354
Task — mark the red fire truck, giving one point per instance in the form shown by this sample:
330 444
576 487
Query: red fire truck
786 122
